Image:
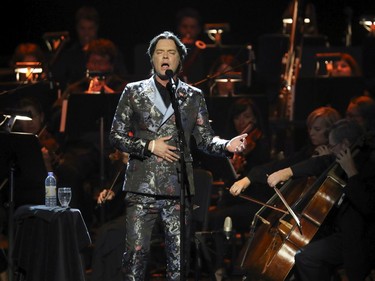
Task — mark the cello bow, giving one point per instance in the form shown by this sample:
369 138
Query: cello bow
291 212
249 198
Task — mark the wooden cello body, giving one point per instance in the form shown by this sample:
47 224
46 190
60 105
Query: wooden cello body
275 237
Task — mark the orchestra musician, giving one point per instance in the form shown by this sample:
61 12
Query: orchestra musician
244 117
318 124
72 166
101 77
350 243
226 75
189 28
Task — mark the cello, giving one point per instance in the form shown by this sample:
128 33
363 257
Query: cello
275 237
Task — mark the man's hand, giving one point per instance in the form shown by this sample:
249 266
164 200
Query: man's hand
345 159
164 150
105 195
237 144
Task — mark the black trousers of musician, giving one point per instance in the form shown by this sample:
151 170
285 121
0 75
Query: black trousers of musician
320 258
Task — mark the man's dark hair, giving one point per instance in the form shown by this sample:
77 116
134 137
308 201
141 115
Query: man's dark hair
181 48
346 129
87 13
188 13
102 47
366 108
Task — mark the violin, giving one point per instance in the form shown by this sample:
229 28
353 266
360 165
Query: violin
251 140
239 159
49 142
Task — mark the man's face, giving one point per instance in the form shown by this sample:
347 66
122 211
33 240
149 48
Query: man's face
87 31
336 146
165 57
189 30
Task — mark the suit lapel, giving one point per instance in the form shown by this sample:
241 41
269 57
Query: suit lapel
158 102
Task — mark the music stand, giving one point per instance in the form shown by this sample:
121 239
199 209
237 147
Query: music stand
88 114
21 153
43 92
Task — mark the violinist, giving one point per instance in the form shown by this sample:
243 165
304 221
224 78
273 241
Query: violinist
351 241
244 117
50 147
108 236
72 166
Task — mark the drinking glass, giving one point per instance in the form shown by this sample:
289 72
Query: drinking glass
65 195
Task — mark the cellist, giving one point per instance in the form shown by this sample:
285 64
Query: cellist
351 240
318 124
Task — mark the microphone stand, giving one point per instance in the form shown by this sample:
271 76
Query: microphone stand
182 179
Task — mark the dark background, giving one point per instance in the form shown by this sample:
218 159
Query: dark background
129 23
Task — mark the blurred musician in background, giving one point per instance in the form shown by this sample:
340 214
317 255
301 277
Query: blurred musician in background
32 58
226 76
101 78
244 117
100 71
72 165
344 66
190 30
71 64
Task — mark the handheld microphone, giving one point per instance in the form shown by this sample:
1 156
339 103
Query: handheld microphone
169 74
227 227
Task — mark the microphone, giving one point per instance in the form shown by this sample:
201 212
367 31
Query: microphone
227 227
169 74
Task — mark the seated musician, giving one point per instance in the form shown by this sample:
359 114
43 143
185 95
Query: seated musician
350 243
73 165
244 117
100 77
227 76
101 55
352 238
318 124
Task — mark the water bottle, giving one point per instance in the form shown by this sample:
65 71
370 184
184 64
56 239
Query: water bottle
50 188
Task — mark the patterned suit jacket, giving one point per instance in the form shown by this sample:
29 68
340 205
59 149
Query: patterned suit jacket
140 116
